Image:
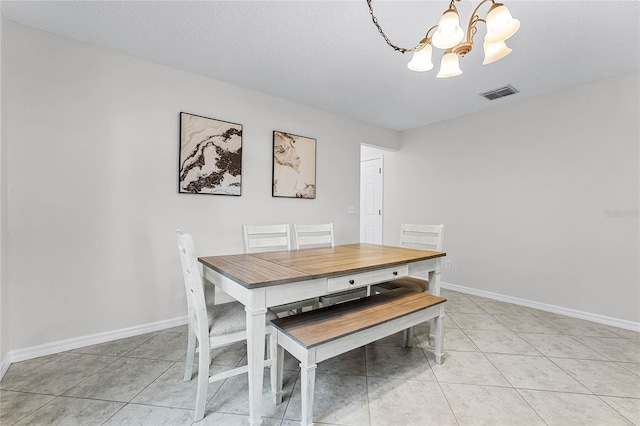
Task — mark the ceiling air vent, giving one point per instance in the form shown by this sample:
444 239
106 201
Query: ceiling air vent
499 93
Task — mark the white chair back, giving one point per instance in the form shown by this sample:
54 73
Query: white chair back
423 237
197 308
307 236
259 238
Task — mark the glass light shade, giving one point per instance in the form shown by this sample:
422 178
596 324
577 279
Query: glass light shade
495 51
421 60
449 32
449 67
500 24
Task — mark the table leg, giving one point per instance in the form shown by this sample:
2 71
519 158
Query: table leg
434 288
255 360
308 381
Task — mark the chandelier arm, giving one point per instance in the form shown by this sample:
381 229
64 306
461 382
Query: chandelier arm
473 21
396 48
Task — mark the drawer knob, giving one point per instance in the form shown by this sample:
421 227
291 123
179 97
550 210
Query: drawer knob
395 273
352 282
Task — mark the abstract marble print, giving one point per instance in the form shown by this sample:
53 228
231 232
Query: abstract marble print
210 156
294 166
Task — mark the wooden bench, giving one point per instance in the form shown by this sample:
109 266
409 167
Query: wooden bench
321 334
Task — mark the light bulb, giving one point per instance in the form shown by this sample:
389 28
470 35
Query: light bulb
495 51
421 60
500 24
450 66
449 32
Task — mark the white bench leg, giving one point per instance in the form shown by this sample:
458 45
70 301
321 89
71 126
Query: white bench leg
407 337
308 377
439 337
277 367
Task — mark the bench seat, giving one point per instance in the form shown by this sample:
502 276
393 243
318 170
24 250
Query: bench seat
318 335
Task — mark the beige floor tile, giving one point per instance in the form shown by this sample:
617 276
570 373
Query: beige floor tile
562 346
57 376
134 414
352 362
72 411
502 308
633 367
338 398
566 409
535 372
168 346
477 322
467 368
616 349
602 377
504 342
398 363
117 347
578 327
169 390
122 380
530 324
486 405
407 402
233 396
17 405
454 340
628 407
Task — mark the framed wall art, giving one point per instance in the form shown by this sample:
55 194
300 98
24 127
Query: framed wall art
210 158
294 166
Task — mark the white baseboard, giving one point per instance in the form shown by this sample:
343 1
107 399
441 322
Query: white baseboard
4 366
601 319
93 339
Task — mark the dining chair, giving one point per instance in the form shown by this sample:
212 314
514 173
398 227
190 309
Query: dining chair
261 238
321 235
308 236
423 237
211 326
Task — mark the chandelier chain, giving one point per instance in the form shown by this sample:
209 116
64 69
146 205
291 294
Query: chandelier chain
375 22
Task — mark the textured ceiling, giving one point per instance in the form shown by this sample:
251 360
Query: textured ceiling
329 55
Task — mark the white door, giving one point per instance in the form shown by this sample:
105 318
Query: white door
371 200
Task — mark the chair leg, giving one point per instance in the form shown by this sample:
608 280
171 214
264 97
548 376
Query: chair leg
407 337
203 381
277 367
191 353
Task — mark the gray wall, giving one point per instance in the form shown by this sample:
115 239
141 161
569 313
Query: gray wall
92 183
524 192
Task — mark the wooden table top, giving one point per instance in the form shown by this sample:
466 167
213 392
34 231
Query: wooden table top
280 267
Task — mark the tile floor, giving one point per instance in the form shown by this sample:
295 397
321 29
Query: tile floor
504 365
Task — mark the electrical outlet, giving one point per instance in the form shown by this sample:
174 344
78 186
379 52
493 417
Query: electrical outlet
351 209
447 264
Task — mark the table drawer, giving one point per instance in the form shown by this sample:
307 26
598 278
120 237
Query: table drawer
366 278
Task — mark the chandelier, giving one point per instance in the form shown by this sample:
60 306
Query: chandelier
450 37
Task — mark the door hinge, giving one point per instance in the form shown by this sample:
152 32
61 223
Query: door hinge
380 170
379 212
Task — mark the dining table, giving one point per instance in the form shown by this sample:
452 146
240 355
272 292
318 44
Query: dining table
263 280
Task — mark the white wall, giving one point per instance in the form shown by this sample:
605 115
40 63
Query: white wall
523 191
93 202
4 301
